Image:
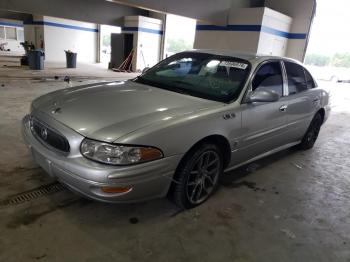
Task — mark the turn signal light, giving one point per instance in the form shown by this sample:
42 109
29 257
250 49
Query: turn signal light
114 190
149 154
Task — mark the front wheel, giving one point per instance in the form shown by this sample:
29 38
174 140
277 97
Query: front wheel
198 176
312 132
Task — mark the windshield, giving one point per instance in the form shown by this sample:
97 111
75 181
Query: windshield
208 76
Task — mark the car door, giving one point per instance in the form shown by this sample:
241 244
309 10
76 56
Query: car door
263 123
303 100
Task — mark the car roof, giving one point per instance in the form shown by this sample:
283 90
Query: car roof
251 57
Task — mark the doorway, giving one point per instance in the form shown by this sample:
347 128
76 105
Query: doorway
105 42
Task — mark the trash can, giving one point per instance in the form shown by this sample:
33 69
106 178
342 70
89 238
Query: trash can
71 59
36 59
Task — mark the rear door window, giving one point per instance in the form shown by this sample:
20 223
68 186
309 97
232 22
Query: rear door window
296 78
309 80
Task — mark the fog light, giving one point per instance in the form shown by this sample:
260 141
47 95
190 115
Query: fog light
114 190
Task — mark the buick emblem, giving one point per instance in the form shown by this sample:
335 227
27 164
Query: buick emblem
43 133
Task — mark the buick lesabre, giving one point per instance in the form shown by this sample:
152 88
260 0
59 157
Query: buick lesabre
177 128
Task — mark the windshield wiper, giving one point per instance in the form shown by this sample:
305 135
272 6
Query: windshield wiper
183 83
178 90
163 86
142 80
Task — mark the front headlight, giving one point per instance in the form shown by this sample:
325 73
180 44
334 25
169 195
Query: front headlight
118 154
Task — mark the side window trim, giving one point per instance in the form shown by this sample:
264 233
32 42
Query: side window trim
285 78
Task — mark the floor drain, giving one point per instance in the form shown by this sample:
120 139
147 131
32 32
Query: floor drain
32 194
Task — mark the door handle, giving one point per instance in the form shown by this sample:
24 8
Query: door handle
283 108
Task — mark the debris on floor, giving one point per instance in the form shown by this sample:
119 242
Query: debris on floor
252 167
177 212
196 216
289 233
225 213
133 220
40 257
66 79
248 184
297 166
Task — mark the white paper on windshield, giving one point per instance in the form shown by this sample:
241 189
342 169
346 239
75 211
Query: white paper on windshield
242 66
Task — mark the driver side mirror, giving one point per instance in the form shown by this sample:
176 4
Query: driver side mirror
262 96
145 70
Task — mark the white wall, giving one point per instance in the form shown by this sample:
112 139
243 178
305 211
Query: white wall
58 38
227 40
54 35
274 44
253 30
34 34
224 38
289 21
13 44
147 40
162 18
301 12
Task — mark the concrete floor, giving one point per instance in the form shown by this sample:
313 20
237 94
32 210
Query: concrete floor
293 206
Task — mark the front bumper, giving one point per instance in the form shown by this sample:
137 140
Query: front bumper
147 180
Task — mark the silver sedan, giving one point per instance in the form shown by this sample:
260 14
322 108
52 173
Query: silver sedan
177 128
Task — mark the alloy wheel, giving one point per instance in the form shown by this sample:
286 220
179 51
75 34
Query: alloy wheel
203 177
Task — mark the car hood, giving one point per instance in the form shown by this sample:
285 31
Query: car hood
107 111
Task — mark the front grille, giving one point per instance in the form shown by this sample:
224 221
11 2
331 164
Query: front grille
49 136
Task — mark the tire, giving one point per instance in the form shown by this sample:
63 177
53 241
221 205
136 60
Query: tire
312 132
197 176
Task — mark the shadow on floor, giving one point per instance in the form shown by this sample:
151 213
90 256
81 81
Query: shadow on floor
232 178
78 207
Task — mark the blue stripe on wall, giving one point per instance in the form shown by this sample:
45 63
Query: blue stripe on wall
142 29
251 28
10 24
297 36
244 28
273 31
211 28
63 26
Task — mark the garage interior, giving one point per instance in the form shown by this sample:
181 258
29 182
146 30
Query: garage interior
291 206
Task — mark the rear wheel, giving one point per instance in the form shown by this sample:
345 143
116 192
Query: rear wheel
198 175
312 132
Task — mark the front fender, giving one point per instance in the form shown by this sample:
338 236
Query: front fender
177 136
